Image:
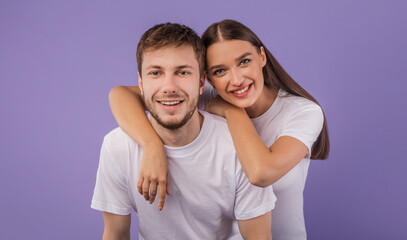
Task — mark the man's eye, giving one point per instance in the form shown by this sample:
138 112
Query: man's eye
183 73
154 73
245 61
217 72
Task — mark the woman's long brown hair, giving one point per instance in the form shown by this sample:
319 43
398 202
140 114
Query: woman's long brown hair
274 75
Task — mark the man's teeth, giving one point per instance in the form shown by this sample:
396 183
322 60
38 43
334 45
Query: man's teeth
170 103
242 90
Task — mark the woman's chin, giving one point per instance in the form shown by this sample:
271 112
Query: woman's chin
242 103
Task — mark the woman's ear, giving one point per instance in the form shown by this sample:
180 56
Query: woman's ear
208 78
140 83
263 56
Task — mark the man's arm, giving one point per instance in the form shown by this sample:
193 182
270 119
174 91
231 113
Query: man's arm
256 228
117 227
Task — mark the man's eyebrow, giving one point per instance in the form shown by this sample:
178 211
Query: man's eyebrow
184 66
154 67
237 60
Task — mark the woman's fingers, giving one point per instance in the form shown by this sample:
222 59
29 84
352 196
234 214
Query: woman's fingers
153 190
163 189
149 186
168 188
140 184
145 188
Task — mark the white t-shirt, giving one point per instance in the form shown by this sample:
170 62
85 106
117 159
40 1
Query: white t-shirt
209 190
295 117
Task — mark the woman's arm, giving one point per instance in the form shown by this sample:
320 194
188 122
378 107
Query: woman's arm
263 165
128 108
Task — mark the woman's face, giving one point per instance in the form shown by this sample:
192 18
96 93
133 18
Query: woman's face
235 70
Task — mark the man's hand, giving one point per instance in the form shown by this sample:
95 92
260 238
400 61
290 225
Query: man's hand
153 175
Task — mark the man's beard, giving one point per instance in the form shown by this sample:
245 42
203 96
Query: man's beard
173 125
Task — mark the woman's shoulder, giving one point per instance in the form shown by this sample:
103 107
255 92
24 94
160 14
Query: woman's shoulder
296 103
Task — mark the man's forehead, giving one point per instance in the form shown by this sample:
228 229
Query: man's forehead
173 57
181 66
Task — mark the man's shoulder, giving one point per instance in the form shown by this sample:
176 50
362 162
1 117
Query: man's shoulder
116 134
217 123
217 132
117 141
215 119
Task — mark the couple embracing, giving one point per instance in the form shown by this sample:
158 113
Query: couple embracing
225 158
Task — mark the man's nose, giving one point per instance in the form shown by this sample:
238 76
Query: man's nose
236 77
169 85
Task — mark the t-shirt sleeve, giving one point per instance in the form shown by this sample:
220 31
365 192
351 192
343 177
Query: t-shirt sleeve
251 201
209 92
304 124
110 194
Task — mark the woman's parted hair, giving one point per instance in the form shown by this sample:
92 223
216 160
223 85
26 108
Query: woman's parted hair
171 35
274 74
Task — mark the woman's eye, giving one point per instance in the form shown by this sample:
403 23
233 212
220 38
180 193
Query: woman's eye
217 72
245 61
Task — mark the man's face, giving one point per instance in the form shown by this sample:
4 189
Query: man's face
170 84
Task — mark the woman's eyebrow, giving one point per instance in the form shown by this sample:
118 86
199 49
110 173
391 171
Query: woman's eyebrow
243 56
216 66
236 60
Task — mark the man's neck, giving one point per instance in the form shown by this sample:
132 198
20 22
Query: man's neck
181 136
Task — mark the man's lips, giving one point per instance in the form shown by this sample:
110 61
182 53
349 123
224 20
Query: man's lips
171 102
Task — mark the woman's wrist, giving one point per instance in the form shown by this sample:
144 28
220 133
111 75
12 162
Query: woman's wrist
151 141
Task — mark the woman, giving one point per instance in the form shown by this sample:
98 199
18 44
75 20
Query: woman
276 126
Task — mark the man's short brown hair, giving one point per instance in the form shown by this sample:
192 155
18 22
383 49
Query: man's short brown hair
171 35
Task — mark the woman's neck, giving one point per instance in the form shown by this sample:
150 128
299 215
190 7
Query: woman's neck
263 103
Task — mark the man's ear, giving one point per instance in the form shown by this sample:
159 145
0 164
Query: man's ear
202 83
140 83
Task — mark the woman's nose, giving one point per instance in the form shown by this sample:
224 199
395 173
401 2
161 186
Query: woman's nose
236 78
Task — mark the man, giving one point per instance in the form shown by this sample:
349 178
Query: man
211 198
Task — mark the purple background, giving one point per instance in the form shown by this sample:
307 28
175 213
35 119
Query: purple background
59 59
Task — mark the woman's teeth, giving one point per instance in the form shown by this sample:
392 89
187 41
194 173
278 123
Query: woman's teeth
170 103
242 90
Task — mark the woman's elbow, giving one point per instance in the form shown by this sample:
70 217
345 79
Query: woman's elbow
116 90
261 178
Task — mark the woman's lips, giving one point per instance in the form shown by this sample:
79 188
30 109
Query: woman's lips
242 92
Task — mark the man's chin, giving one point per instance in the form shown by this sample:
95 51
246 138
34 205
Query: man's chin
171 124
176 121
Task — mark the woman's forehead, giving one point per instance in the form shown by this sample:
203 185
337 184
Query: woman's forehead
228 50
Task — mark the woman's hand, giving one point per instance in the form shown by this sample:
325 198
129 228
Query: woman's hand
218 106
153 174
